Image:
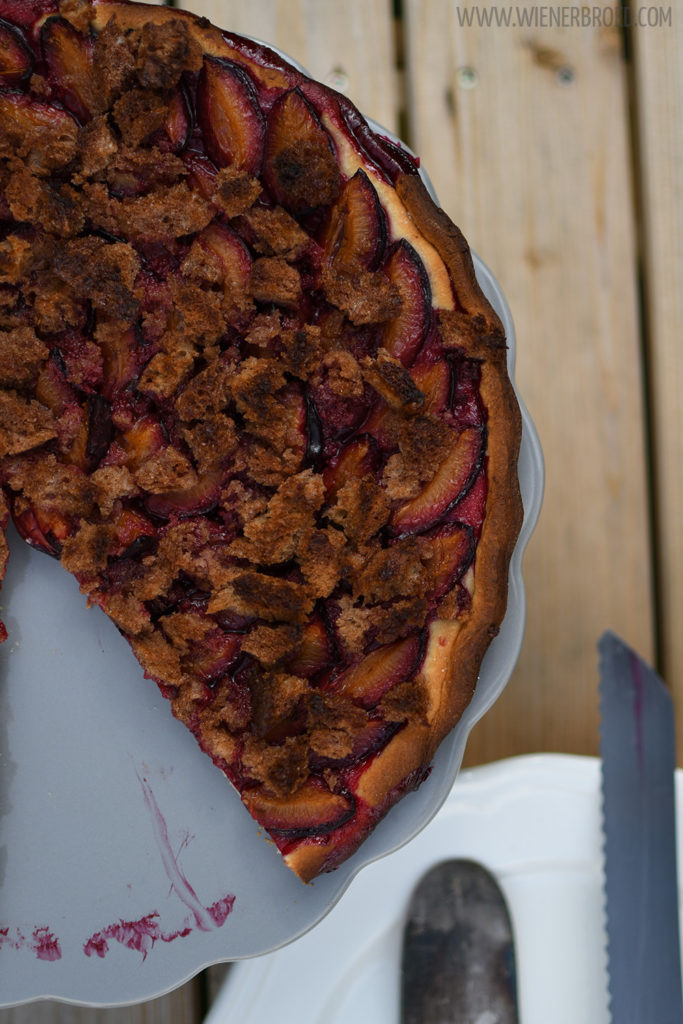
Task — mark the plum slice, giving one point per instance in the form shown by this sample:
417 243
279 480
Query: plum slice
179 125
16 59
356 233
356 460
48 132
199 497
368 741
434 381
68 56
131 527
214 656
100 431
450 484
231 253
229 114
142 439
202 174
450 551
299 167
53 389
120 359
312 810
403 336
44 529
314 652
368 681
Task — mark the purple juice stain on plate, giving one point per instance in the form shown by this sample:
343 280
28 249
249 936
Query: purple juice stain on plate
143 934
179 882
43 942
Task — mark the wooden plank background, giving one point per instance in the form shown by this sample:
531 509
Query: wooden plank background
349 46
563 164
525 133
658 117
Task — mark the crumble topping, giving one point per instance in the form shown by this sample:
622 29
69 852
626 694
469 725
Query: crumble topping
22 355
235 192
218 397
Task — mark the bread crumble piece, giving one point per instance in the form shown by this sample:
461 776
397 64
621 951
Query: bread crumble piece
400 480
131 616
49 484
267 597
104 271
165 213
322 557
308 172
274 232
302 350
361 508
96 146
254 387
138 115
277 535
343 373
15 259
113 61
358 625
282 769
159 658
183 628
273 280
88 548
235 191
395 571
393 382
22 355
164 373
471 334
212 441
334 723
166 471
209 391
365 297
113 483
54 208
164 52
242 502
405 702
24 424
272 644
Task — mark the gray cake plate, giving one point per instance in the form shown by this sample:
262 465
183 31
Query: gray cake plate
127 863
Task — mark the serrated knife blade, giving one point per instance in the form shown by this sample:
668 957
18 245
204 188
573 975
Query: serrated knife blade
458 963
639 819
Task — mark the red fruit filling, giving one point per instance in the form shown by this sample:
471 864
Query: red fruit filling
16 59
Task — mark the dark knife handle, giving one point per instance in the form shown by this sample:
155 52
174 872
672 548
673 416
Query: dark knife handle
458 962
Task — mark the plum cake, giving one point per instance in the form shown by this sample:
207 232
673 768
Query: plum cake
254 400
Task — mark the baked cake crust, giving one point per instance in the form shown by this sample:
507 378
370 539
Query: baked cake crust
255 400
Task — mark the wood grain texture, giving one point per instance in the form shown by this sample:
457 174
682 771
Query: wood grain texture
180 1007
524 133
349 46
659 108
